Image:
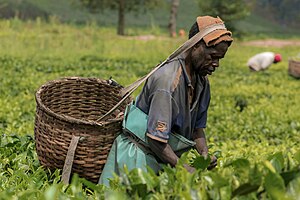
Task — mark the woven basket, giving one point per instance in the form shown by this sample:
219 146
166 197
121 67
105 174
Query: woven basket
294 68
70 107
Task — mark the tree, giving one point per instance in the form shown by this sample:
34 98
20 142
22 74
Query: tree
286 12
228 10
122 6
173 17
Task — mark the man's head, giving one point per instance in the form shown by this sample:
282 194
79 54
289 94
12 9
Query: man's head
205 55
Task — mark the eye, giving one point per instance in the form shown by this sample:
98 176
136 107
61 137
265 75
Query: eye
217 56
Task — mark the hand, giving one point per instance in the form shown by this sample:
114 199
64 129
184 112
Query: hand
213 162
189 168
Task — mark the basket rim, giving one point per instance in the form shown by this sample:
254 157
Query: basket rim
294 60
65 117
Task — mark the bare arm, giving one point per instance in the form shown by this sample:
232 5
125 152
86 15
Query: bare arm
166 153
200 139
201 146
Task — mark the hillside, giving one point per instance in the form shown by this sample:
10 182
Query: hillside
252 127
70 11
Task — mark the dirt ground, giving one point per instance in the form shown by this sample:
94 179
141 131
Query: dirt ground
262 43
273 43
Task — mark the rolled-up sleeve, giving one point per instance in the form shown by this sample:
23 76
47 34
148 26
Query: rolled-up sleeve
160 115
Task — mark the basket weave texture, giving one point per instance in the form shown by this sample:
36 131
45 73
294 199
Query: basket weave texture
294 68
71 106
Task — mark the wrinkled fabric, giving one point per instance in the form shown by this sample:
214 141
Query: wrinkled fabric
124 152
261 61
217 36
134 154
169 106
166 99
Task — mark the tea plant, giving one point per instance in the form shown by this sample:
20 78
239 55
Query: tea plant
253 121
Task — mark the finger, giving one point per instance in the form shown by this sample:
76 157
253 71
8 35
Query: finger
212 165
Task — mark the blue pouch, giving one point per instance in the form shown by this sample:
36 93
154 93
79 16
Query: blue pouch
136 121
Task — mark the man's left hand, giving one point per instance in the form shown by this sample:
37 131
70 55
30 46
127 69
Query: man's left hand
213 162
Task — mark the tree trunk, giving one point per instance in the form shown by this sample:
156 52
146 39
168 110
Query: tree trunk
121 21
173 16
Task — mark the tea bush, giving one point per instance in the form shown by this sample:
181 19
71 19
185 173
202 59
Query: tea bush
253 122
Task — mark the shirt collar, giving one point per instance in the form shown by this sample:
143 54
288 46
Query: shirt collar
186 76
199 83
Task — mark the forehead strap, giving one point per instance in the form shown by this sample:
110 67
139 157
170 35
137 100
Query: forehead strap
196 38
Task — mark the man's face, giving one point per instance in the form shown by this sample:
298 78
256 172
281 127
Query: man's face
205 60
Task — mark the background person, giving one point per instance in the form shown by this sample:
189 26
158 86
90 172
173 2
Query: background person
262 61
174 101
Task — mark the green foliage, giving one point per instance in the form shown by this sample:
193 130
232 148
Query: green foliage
285 12
130 5
257 24
121 6
253 124
229 10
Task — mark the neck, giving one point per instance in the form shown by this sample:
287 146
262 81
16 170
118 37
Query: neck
189 70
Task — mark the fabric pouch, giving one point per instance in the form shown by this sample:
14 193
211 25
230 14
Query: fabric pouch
127 152
135 121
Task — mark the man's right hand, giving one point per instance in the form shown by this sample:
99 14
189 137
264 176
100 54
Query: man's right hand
163 151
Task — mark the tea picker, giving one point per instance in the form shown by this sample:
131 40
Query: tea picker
169 115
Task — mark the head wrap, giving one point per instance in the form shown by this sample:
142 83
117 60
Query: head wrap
216 36
277 58
212 31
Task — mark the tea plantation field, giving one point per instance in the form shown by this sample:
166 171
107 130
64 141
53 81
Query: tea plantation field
253 122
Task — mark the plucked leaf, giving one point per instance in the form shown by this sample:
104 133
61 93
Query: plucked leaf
200 162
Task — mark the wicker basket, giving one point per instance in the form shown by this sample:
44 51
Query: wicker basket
70 107
294 68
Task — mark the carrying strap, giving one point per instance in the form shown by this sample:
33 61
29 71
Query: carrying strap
126 92
138 142
66 173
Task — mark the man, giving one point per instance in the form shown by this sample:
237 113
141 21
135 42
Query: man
262 61
169 116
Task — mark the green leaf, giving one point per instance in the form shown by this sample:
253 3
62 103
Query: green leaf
239 163
297 156
10 171
89 184
277 161
136 176
269 166
294 188
226 192
138 180
289 176
274 184
245 189
51 192
115 195
216 180
255 176
201 163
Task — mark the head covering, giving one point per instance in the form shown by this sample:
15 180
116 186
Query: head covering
277 58
216 36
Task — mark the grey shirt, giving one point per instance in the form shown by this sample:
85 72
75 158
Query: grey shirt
166 99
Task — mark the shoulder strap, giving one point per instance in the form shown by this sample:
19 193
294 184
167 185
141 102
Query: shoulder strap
126 92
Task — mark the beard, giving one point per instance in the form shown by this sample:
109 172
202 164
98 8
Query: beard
202 69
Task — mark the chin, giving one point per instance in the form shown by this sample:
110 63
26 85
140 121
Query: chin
203 74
